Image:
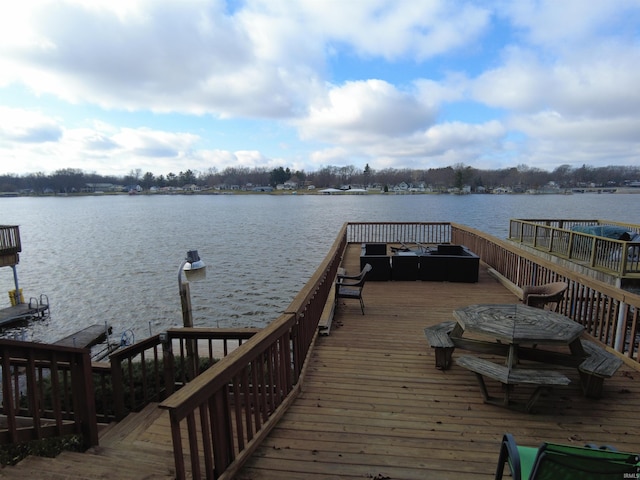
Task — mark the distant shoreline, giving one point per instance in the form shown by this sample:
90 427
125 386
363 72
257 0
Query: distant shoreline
594 191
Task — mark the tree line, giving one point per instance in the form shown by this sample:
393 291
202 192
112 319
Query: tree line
455 176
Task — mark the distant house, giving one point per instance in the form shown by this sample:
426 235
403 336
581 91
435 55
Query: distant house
191 187
101 187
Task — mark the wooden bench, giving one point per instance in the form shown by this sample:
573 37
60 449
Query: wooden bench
544 379
598 365
438 337
326 318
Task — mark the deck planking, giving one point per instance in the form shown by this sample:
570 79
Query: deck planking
85 338
374 406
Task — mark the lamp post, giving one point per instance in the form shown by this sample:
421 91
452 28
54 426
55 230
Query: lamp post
190 265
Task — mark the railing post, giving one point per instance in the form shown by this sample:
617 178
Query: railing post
594 244
167 364
84 399
222 433
118 389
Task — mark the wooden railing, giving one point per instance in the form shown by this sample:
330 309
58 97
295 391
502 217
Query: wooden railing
386 232
617 257
10 245
51 391
220 416
154 368
47 391
609 314
218 419
10 239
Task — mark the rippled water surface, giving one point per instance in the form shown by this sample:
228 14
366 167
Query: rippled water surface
116 258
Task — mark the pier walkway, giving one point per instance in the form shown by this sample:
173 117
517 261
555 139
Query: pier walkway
374 406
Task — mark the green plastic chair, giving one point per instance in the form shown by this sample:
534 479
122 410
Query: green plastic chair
553 461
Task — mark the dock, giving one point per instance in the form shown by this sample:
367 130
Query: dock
86 338
363 399
375 406
23 312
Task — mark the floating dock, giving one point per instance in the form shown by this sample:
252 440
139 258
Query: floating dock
23 312
86 338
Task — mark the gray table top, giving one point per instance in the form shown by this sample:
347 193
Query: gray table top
518 324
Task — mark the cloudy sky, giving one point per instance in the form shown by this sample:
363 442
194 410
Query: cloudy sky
112 86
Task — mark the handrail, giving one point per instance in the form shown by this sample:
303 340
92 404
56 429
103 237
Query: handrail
231 407
153 368
47 390
617 257
405 232
220 417
610 314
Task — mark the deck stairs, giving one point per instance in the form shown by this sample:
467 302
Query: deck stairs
137 448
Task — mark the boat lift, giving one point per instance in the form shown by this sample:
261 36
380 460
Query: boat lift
19 311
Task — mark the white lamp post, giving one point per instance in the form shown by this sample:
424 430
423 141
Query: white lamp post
190 266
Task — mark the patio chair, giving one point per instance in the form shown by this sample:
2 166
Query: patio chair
351 286
567 462
539 296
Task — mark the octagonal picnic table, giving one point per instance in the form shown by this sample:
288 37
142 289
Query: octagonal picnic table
514 325
510 327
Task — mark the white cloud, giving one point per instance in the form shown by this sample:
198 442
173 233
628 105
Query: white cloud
562 74
569 23
360 112
26 126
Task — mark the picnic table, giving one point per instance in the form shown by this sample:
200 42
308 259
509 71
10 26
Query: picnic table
517 325
512 327
515 332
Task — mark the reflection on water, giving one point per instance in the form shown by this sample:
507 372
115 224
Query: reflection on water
116 259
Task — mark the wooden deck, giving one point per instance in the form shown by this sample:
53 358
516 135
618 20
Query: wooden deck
374 405
10 316
139 447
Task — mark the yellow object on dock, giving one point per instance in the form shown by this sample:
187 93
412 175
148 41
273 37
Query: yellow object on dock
14 296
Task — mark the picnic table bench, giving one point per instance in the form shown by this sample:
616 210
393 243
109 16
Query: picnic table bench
598 365
544 379
439 339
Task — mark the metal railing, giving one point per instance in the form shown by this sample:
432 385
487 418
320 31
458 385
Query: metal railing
617 257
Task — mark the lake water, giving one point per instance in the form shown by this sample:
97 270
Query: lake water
116 258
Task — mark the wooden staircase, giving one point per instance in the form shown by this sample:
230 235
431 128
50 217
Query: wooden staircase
139 447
